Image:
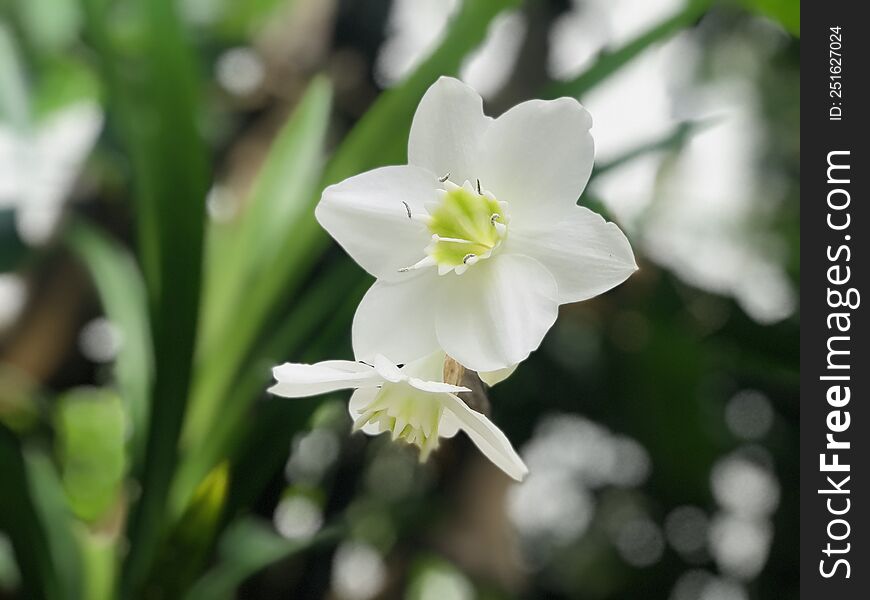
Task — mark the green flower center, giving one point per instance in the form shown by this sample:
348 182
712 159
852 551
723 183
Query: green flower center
411 415
466 227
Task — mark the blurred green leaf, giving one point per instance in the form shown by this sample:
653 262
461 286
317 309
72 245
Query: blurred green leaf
14 105
90 442
241 20
609 62
63 81
188 544
319 304
50 503
786 12
153 85
247 547
122 293
20 520
50 25
239 258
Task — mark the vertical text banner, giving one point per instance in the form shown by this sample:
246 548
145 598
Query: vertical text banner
835 367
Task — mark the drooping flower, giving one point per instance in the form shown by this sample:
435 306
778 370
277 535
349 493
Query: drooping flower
478 240
411 402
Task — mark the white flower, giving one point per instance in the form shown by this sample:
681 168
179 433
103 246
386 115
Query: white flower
479 239
411 402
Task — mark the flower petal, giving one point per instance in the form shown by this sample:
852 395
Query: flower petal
387 369
586 254
446 130
397 320
368 215
487 437
295 380
436 386
537 156
491 378
359 401
494 315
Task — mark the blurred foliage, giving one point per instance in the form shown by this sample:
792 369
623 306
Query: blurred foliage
164 471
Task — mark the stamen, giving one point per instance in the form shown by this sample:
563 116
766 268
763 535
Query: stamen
478 188
429 261
493 218
445 177
407 208
438 238
468 258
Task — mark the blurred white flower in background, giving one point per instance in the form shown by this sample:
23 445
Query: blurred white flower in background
100 340
38 167
741 532
640 542
570 457
416 27
749 414
297 517
701 216
698 584
591 26
240 70
13 295
358 571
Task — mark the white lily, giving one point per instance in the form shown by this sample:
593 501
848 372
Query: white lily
478 240
411 402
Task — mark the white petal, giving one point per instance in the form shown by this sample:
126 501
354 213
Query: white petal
295 380
491 378
449 425
359 400
397 320
436 386
368 216
586 254
538 157
487 437
446 130
387 369
497 313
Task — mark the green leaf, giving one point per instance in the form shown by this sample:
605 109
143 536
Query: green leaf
247 547
50 25
14 103
786 12
190 541
21 521
240 258
90 442
122 293
153 86
51 506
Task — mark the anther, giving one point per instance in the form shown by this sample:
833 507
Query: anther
478 187
445 177
407 208
493 218
467 258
